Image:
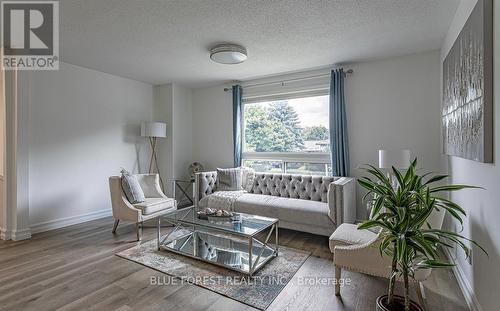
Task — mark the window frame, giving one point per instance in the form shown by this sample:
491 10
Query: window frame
284 157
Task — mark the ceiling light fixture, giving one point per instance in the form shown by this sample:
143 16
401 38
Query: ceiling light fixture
228 54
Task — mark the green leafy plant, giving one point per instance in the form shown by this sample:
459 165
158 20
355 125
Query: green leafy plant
402 212
273 128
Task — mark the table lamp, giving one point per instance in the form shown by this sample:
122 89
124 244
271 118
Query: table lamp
400 159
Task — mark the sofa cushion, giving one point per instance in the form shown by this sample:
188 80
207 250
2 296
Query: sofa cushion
247 178
290 210
153 205
348 234
228 179
203 202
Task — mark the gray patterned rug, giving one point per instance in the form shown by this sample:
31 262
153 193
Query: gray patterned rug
257 291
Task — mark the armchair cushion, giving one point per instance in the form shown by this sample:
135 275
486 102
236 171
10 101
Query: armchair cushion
348 234
153 205
132 188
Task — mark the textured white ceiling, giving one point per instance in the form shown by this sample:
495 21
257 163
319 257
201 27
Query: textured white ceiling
167 41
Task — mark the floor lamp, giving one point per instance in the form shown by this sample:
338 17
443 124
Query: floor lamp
154 130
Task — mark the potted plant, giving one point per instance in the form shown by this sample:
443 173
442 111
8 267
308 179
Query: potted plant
401 212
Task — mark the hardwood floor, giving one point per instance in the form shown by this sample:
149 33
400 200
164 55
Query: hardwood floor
75 268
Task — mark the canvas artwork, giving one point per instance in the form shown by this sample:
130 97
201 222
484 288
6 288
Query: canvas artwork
468 89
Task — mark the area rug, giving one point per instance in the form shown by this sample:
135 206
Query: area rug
257 291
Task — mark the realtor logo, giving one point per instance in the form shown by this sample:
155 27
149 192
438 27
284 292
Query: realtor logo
30 35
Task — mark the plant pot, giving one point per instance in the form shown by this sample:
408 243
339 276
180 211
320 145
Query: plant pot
399 304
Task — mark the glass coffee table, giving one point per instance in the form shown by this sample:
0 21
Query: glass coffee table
240 243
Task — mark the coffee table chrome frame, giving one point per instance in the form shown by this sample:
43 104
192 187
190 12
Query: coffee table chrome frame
254 266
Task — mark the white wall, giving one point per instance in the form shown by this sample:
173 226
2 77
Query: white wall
481 279
83 125
173 105
394 104
213 127
391 103
162 112
182 130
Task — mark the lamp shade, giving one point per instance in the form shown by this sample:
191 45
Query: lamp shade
397 158
153 129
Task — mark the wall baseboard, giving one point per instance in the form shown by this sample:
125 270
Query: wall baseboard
15 235
18 235
68 221
4 234
463 283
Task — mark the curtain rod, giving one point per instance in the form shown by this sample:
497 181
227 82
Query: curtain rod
282 82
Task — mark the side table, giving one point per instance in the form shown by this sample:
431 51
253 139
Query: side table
184 192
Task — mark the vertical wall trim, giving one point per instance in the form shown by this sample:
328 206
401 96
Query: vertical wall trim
10 154
16 220
3 198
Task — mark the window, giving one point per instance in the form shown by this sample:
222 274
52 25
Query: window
289 135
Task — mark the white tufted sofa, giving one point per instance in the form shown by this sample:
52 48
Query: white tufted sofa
314 204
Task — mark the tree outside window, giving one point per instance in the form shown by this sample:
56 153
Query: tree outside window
293 126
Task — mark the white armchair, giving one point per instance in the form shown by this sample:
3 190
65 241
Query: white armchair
155 205
358 250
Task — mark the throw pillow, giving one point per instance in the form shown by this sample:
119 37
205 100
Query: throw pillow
132 188
247 178
228 179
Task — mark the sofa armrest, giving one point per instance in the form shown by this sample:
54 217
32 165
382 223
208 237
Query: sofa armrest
205 184
342 200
